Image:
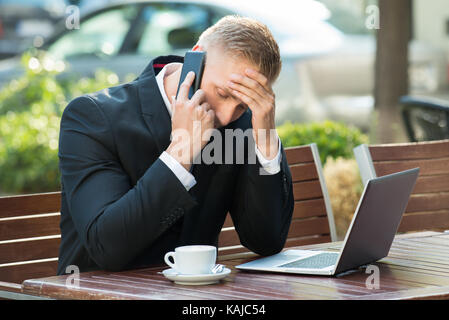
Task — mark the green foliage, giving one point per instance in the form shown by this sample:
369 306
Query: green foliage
30 113
332 138
28 150
37 85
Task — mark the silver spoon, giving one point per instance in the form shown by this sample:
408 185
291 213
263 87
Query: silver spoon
217 268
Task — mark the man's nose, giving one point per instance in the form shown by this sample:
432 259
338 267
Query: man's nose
227 114
229 118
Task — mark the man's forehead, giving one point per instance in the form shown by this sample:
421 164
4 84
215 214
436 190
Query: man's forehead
228 62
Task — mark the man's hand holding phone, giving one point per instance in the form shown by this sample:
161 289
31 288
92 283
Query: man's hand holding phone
192 123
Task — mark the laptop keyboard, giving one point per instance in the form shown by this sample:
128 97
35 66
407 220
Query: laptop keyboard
319 261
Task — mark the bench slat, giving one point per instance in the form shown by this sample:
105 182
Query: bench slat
298 228
19 273
303 172
408 151
25 205
294 242
302 209
430 184
428 202
437 220
291 242
29 250
298 155
309 227
29 227
228 221
307 190
309 208
427 167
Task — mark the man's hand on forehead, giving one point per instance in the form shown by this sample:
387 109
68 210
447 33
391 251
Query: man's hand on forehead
254 89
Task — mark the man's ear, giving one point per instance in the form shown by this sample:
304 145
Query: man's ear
197 47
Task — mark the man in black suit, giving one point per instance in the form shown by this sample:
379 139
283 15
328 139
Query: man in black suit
130 193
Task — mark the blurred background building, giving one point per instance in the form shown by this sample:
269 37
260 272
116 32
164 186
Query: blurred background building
431 22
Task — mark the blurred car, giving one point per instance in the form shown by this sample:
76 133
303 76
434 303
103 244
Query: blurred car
27 22
326 74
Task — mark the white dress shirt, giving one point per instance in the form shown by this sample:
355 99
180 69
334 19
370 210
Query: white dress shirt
187 179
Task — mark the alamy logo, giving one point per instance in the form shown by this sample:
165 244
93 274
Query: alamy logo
72 281
372 20
373 281
73 17
238 145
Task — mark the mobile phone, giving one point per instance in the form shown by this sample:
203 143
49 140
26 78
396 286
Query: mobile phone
193 61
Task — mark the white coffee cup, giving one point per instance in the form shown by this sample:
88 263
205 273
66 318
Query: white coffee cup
194 259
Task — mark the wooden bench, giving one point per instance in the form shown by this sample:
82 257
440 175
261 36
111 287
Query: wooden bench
29 239
428 207
30 234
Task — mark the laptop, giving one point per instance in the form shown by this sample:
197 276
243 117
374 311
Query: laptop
368 239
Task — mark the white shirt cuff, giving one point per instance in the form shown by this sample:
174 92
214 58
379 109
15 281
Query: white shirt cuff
186 178
270 166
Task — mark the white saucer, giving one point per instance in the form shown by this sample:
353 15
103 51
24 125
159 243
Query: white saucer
195 279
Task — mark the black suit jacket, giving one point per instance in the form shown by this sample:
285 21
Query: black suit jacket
122 207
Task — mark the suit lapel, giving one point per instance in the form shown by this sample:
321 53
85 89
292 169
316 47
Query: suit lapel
153 108
157 120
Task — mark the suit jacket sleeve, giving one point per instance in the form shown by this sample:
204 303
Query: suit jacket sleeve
262 207
114 219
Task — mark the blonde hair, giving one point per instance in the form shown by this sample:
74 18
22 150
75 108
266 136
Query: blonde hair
249 38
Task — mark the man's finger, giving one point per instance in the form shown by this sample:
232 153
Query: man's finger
249 83
206 106
198 112
250 102
259 77
173 105
238 88
210 114
183 93
198 98
201 110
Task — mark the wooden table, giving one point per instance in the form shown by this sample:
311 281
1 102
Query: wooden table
417 267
